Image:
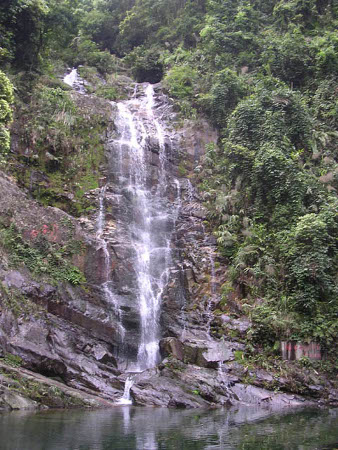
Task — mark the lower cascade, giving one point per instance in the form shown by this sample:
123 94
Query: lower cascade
126 398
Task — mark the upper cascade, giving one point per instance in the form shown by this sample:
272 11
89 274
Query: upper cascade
75 81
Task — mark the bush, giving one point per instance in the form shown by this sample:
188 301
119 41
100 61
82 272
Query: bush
180 81
310 256
325 53
43 257
226 90
145 65
87 52
288 57
6 99
275 181
271 116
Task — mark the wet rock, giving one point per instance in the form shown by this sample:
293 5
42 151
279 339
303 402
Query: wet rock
263 376
14 279
102 355
241 325
315 389
54 347
152 389
209 353
16 401
153 145
333 397
21 389
171 347
196 136
259 396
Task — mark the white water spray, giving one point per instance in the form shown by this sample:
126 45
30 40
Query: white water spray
152 218
75 81
126 398
103 245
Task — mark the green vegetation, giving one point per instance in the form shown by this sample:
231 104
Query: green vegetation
12 360
35 389
42 257
62 138
6 98
18 303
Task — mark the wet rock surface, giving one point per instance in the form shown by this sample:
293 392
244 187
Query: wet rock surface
180 385
56 329
22 389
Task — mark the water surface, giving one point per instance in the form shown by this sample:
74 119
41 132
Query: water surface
154 429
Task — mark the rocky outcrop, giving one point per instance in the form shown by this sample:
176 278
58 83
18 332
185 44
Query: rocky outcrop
180 385
58 329
210 353
22 389
171 347
75 332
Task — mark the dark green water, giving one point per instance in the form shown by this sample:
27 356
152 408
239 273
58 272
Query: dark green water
144 428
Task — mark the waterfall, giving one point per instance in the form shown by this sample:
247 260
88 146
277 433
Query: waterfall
99 233
213 292
71 78
213 275
191 191
160 137
103 245
126 399
75 81
140 136
145 200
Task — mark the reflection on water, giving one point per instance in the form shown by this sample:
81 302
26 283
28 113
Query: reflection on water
156 429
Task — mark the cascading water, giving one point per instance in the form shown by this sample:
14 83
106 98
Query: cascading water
99 232
213 291
75 81
70 78
103 246
126 399
152 215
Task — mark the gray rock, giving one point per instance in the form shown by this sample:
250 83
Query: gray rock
258 396
209 353
171 347
17 401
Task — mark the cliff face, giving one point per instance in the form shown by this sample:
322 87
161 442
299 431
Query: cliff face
70 302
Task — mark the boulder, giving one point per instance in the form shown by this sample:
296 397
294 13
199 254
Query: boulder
17 401
259 396
209 353
171 347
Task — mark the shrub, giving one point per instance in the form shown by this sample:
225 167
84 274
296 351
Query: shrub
180 81
145 64
271 115
226 90
6 99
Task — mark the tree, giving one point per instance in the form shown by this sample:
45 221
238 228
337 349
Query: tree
22 24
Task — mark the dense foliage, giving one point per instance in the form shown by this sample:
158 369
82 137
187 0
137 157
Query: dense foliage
6 98
265 74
